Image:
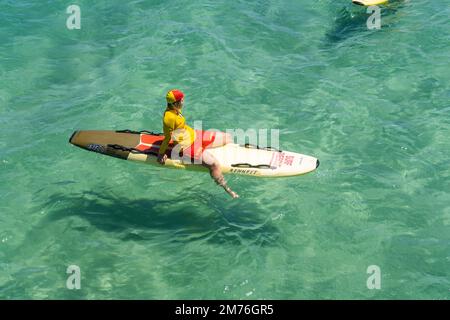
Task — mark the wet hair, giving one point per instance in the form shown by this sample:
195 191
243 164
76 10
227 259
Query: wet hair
174 104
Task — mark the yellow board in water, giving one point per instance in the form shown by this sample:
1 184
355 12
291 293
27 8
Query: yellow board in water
369 2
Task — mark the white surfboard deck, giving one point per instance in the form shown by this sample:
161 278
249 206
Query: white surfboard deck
238 159
368 3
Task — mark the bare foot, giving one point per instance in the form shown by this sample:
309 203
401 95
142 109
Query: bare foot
233 194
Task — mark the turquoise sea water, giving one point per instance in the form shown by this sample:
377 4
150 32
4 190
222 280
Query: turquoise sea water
373 105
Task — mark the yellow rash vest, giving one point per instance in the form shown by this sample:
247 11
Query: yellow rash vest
173 121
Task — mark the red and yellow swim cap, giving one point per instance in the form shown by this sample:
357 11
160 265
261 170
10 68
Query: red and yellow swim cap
174 96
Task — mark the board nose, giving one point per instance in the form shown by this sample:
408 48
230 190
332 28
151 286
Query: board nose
71 137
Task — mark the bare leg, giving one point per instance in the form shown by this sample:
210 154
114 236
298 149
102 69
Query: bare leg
209 161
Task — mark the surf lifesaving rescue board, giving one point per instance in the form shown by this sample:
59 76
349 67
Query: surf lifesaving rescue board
368 3
143 146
